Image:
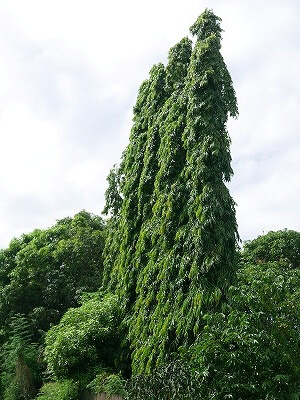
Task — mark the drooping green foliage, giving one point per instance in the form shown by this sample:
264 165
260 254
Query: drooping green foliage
43 273
175 235
86 338
138 161
155 248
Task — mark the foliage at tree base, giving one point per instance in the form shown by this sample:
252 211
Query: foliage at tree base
108 383
64 390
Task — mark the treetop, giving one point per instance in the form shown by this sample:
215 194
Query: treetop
206 25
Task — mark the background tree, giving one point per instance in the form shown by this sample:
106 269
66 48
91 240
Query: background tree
251 349
45 272
281 246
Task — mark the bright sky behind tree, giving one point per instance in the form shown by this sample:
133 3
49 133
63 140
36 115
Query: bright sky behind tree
69 76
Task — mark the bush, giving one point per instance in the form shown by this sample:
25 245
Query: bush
110 384
65 390
85 338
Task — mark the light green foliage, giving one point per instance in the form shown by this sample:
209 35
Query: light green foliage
173 239
43 273
21 371
110 384
64 390
86 337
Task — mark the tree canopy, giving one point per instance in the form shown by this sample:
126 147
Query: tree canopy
43 273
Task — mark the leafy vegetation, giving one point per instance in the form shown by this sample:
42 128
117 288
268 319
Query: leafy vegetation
159 302
85 338
175 229
64 390
250 350
45 272
281 247
21 369
42 274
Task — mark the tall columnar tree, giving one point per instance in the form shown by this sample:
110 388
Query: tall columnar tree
176 227
157 235
136 172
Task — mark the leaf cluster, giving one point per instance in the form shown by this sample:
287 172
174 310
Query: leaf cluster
85 338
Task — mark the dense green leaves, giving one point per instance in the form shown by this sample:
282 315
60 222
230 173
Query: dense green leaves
282 246
44 273
173 239
137 173
86 337
251 350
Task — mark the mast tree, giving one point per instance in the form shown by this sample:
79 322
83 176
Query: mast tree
177 229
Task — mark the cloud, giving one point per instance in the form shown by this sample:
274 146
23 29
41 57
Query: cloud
69 75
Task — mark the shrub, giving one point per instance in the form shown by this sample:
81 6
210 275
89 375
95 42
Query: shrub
110 384
65 390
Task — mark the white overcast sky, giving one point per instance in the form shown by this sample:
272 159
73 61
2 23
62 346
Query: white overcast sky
69 75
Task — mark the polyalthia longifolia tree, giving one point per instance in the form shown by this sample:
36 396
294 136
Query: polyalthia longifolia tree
176 227
134 179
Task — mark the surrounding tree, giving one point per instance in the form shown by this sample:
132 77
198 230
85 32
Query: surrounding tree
45 272
281 246
251 350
